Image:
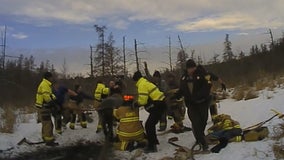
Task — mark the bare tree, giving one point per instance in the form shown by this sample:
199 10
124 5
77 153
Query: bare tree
3 45
241 55
91 62
181 56
64 69
170 54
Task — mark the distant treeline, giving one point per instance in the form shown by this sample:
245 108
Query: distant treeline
20 77
259 64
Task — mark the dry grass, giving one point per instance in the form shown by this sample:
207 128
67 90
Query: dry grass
251 94
261 84
8 119
280 81
239 93
11 115
278 148
25 114
245 93
278 151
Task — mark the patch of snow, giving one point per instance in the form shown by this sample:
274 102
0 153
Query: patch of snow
247 112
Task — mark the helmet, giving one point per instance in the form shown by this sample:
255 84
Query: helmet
190 63
128 98
137 75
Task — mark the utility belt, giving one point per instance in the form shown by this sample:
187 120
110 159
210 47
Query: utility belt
200 101
151 104
47 105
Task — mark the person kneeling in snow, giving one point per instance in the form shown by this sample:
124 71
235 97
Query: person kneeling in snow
130 129
225 129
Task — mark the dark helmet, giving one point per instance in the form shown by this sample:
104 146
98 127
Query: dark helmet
157 74
47 75
190 63
137 75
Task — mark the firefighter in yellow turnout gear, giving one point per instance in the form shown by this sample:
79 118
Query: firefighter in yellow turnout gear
101 92
225 129
45 101
130 129
153 101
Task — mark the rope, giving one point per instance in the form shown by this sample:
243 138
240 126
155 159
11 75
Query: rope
260 123
193 151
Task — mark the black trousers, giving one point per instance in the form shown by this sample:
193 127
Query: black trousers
163 121
198 115
57 114
82 117
107 122
155 114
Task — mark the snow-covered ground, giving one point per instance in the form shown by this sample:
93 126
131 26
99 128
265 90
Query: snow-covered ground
246 112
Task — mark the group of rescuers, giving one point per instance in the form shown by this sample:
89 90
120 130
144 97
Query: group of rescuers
160 98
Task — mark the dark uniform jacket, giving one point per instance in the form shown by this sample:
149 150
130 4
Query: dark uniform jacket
200 87
80 97
60 94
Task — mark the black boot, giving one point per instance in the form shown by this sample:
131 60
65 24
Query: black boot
222 144
130 147
151 149
162 128
51 143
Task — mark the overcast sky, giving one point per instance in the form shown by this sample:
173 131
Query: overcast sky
58 29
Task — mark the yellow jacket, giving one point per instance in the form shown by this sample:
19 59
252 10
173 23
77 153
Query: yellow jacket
100 91
147 90
223 122
130 128
44 93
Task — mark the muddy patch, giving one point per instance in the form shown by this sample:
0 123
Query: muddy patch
91 151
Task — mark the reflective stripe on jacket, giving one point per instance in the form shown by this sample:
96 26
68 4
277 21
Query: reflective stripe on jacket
147 89
44 93
129 125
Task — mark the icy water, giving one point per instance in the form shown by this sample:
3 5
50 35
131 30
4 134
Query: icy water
92 151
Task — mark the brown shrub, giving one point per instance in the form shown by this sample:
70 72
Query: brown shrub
280 81
278 148
261 84
278 151
251 94
8 119
239 93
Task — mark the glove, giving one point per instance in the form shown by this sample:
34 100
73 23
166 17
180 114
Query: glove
136 105
50 104
223 86
148 107
176 97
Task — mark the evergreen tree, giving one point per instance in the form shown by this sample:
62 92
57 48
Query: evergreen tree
264 48
228 53
113 58
241 55
252 50
99 58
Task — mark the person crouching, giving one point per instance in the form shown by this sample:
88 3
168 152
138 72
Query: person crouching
130 129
